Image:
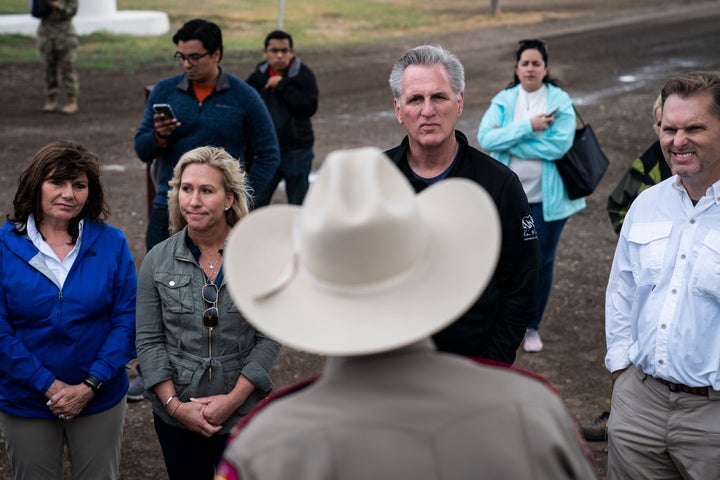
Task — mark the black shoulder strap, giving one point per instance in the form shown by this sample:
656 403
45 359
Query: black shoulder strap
579 117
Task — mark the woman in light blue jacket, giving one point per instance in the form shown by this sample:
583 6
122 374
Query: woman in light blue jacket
529 126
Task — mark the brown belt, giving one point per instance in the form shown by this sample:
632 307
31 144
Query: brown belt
679 387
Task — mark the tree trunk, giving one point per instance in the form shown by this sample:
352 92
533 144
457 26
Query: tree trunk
494 7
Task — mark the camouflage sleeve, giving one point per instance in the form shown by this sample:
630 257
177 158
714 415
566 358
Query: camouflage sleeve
624 193
58 25
67 9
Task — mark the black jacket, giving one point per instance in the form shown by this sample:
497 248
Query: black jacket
494 326
291 103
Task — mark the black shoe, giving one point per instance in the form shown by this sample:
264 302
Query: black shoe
136 389
598 431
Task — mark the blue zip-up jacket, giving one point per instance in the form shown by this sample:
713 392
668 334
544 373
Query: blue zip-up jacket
48 333
233 117
502 137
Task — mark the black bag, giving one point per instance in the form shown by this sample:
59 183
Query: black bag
40 8
584 164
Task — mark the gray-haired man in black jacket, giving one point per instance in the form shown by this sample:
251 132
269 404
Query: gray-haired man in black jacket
428 84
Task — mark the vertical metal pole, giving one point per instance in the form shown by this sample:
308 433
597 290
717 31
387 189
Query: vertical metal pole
281 8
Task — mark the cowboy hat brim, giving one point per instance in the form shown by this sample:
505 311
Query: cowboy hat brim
464 244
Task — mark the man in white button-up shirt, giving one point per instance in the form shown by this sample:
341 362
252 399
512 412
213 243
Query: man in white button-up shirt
663 302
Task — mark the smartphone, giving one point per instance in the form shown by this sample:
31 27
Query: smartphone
553 112
165 109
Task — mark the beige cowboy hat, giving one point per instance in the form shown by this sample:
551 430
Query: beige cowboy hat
365 265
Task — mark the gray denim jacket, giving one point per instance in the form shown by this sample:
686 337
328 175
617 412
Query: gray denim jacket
172 342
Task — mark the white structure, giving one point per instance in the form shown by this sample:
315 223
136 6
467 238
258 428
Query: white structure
95 16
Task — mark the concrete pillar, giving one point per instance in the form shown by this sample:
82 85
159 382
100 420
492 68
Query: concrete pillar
96 16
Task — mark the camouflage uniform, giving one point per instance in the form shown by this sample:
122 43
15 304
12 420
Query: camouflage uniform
647 170
58 43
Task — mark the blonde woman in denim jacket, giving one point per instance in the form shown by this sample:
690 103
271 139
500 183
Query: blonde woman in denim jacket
204 366
529 126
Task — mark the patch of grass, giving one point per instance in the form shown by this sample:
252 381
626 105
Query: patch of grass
106 51
18 48
313 23
14 6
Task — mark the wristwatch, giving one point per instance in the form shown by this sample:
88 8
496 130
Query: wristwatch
95 384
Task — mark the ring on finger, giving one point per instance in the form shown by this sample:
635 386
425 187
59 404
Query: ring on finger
62 416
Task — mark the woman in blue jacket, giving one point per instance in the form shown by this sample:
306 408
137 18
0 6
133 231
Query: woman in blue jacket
67 320
529 126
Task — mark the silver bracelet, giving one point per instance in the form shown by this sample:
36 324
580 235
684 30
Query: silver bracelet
167 402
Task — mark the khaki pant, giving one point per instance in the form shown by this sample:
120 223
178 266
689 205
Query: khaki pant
35 446
657 434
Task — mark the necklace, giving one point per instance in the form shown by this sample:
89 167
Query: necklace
212 265
533 99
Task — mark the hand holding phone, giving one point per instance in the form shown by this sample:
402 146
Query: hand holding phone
164 109
553 112
165 125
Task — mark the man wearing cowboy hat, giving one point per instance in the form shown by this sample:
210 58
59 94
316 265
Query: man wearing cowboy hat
364 273
428 83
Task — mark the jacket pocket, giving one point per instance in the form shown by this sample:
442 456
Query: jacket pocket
184 369
648 245
175 292
705 277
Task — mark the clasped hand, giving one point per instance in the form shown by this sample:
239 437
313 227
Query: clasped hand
205 415
68 401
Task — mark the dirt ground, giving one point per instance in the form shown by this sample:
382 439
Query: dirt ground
613 57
